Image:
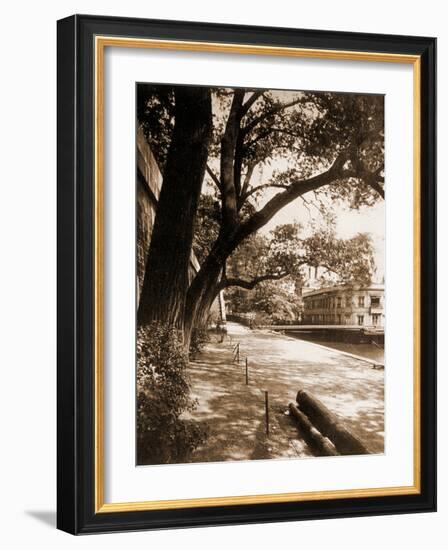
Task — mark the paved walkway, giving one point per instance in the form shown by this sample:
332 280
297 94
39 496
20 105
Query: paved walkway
282 365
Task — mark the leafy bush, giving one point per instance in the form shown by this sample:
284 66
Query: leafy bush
199 337
163 396
259 319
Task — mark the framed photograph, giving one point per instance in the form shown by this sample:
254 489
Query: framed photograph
246 274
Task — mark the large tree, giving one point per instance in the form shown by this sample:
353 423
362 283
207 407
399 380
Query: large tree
329 144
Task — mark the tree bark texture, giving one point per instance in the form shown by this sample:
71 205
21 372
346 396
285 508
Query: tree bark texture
203 290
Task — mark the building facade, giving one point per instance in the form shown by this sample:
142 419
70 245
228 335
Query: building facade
345 305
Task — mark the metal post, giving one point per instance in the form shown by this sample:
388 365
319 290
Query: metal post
236 353
247 372
266 406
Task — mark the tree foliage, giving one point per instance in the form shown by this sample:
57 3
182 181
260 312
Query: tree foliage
346 261
156 115
207 224
164 435
269 270
306 131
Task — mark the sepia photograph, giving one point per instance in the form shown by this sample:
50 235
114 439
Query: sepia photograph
260 274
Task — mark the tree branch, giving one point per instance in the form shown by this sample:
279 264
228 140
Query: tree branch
253 190
228 144
239 144
247 177
213 176
377 187
242 196
294 190
251 125
287 132
249 285
253 98
267 132
370 178
238 164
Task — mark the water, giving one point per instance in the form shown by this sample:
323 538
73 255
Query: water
369 351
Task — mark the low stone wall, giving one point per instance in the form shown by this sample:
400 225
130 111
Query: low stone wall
149 183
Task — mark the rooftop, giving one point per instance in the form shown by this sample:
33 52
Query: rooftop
331 289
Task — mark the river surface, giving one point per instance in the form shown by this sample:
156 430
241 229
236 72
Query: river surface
369 351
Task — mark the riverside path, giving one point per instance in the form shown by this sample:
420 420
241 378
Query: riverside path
235 412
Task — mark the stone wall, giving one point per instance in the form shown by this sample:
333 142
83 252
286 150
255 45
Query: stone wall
149 182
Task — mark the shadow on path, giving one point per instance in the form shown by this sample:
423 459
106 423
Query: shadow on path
235 413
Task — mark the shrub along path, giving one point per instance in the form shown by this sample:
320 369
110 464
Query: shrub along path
235 412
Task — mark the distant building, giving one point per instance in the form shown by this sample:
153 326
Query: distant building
345 305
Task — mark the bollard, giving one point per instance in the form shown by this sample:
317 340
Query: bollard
236 353
266 407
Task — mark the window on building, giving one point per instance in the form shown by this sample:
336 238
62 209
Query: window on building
348 302
376 319
360 301
339 301
375 301
360 320
347 319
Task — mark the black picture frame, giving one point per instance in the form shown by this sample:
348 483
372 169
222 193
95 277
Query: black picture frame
76 273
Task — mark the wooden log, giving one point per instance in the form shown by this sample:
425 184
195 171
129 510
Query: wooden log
330 425
311 435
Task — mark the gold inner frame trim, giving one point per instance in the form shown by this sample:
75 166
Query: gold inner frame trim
101 42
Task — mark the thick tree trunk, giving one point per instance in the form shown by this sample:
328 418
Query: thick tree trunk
202 292
166 278
206 285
